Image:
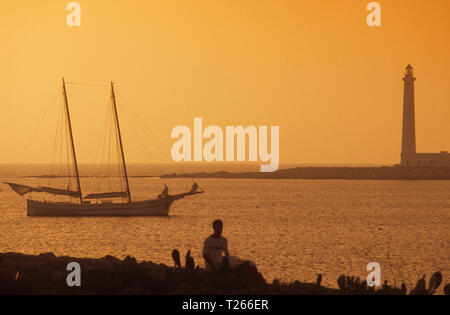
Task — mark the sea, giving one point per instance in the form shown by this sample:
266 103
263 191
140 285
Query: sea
291 229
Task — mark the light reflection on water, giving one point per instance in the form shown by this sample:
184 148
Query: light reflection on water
292 229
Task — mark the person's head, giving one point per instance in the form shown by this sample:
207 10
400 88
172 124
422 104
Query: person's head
218 227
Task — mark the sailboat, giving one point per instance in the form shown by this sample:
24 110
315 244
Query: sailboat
84 207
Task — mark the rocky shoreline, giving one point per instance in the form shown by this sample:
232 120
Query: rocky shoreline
46 274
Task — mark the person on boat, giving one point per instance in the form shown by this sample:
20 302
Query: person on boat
215 246
165 192
194 188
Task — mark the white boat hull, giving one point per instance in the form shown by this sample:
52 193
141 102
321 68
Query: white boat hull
157 207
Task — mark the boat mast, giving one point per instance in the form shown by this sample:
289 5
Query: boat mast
113 95
74 157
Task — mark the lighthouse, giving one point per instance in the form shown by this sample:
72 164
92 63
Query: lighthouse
409 122
409 155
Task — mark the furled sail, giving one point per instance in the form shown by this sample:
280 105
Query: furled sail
23 189
60 192
120 194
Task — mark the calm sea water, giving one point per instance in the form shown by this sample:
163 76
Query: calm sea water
292 229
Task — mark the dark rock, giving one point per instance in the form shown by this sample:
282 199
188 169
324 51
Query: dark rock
100 276
111 258
47 255
225 264
130 260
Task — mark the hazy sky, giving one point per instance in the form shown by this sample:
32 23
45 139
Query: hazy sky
315 68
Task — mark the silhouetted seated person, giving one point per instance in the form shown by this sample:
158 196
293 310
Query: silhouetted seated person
194 188
164 193
214 247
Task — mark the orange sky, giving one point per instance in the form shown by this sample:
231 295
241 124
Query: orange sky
314 68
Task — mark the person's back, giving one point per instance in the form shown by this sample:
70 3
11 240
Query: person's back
164 193
214 246
194 188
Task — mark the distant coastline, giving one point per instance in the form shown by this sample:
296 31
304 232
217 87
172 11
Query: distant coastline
300 172
356 173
